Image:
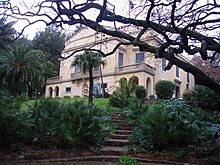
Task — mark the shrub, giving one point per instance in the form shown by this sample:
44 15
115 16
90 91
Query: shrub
118 99
67 97
13 123
164 89
69 125
127 160
140 92
205 98
170 124
186 95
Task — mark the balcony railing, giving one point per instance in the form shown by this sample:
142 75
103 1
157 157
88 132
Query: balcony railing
141 67
54 79
81 75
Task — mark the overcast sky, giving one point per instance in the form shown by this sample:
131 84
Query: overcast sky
31 30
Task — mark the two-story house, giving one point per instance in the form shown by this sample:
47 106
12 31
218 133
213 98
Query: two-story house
127 61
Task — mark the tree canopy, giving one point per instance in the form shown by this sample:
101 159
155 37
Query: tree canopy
52 42
183 26
87 62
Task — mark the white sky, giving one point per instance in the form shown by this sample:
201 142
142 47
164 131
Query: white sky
30 31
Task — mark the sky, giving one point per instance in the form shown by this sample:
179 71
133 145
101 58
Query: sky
30 31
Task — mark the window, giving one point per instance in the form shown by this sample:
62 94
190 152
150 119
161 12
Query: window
163 64
177 72
139 58
68 89
120 59
187 77
77 69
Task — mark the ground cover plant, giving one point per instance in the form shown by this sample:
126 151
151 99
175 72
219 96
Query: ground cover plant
49 123
171 125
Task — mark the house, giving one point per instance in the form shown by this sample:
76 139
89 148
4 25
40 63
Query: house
127 61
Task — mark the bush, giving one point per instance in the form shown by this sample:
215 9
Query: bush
205 98
186 95
164 89
118 99
68 125
140 92
13 123
67 97
171 124
127 160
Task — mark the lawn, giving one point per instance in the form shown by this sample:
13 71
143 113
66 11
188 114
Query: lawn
102 103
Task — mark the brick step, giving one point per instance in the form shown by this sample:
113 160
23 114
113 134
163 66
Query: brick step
123 132
116 142
109 150
119 136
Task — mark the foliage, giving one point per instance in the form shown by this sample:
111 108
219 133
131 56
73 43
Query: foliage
22 67
68 125
140 92
164 89
205 98
127 160
7 32
89 61
13 123
127 87
51 42
186 95
135 110
118 99
171 124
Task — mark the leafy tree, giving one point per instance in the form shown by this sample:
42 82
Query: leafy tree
22 66
140 92
6 37
181 26
51 42
7 33
89 61
164 89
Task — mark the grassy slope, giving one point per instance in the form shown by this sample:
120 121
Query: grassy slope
99 102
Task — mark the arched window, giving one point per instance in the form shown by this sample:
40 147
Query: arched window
50 92
56 91
148 86
135 80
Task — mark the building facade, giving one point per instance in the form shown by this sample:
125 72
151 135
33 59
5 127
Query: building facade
125 62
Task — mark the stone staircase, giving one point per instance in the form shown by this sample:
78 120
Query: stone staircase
118 142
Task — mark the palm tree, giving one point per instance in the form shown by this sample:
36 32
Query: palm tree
127 87
89 61
22 67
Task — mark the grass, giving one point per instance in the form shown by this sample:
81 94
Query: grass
101 103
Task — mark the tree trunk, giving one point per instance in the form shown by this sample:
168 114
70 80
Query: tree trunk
15 86
103 89
90 101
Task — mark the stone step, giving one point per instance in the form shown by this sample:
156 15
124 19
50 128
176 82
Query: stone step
116 142
116 115
109 150
119 136
122 122
123 132
123 127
